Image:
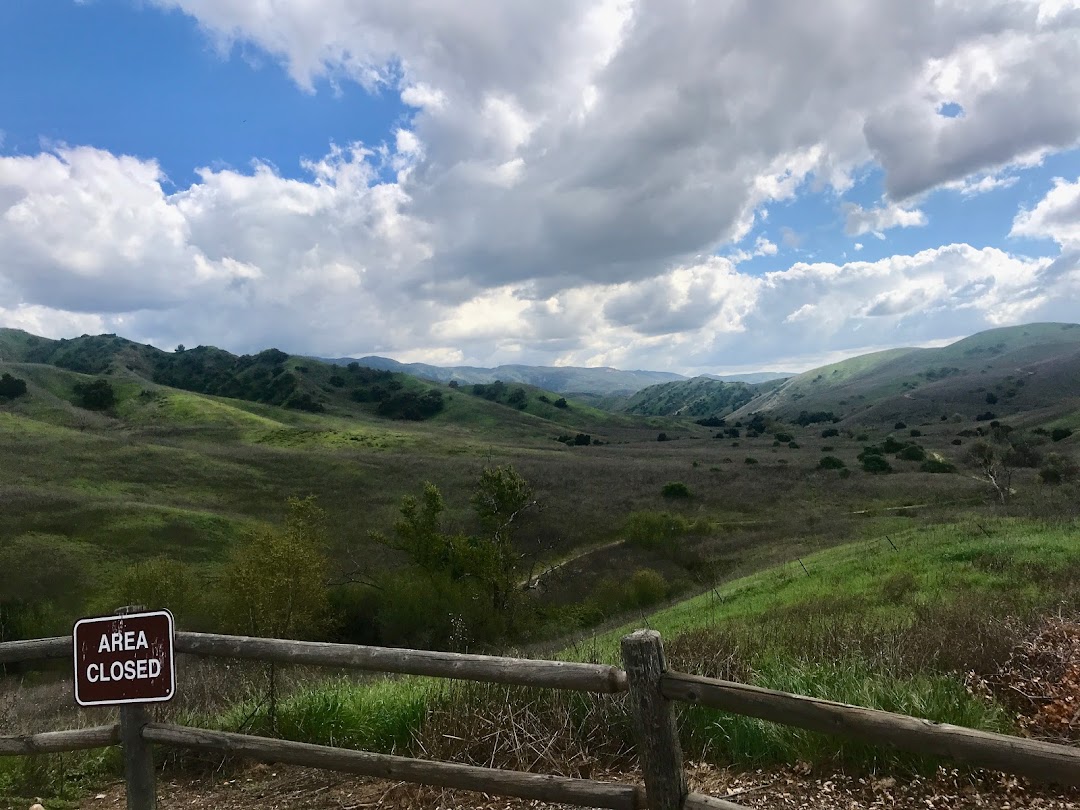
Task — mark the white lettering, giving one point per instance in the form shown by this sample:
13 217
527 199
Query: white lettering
155 667
142 644
103 645
91 671
117 641
129 640
116 670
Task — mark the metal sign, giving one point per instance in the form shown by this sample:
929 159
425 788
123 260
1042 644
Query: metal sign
124 659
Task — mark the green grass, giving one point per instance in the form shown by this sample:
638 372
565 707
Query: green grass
944 559
382 715
870 626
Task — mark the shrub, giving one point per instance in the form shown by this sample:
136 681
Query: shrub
912 453
991 398
11 387
831 463
750 460
561 403
337 381
876 464
891 445
95 396
862 437
783 438
899 426
985 417
845 473
675 489
828 433
958 442
647 587
915 433
898 585
827 448
1057 434
656 530
582 439
933 465
1059 469
793 445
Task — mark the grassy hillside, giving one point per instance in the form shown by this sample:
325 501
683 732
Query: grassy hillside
1005 372
696 398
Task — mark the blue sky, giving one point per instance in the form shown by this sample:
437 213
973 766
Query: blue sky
579 183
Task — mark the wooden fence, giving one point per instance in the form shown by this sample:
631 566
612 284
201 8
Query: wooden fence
651 689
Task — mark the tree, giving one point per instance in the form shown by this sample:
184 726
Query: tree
501 497
561 403
180 349
1058 469
274 582
992 461
11 387
95 396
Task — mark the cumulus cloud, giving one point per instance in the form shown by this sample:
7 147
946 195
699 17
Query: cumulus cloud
566 180
1056 216
859 220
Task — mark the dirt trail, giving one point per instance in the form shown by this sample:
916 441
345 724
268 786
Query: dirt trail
287 788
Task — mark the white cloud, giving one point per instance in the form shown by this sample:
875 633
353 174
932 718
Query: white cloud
560 172
1056 216
859 220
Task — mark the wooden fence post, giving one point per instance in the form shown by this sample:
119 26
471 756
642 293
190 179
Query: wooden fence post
138 755
654 721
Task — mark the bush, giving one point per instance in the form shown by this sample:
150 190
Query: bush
891 445
828 433
933 465
783 438
663 437
827 448
831 463
675 489
991 398
899 426
561 403
912 453
876 464
958 442
647 587
95 396
337 381
985 417
582 439
793 445
1057 434
750 460
915 433
11 387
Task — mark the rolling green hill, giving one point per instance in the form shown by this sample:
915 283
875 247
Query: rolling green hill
699 397
1005 372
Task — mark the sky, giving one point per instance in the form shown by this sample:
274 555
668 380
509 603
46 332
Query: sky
679 185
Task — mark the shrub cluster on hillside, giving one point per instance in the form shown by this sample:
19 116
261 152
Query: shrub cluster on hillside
11 387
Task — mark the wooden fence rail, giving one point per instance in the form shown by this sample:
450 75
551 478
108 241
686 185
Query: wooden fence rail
651 686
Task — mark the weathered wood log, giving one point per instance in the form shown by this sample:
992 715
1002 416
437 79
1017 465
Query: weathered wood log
1041 761
699 801
55 742
487 668
580 792
654 722
140 784
38 649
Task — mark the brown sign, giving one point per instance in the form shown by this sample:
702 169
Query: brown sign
124 659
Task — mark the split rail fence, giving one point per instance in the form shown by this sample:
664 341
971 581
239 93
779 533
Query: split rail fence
651 689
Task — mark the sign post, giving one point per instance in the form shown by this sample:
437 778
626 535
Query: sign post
127 660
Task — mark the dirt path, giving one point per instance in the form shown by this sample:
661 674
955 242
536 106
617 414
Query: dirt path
287 788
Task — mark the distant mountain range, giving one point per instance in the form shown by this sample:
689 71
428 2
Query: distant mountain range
561 379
